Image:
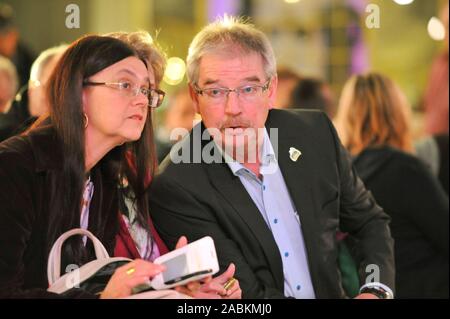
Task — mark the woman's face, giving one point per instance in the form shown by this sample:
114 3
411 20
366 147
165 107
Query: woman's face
117 112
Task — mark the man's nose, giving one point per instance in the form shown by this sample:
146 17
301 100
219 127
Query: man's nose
232 105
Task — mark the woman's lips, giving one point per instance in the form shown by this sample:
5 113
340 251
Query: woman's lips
136 117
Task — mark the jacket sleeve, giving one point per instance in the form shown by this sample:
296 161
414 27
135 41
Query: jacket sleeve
176 211
17 219
363 219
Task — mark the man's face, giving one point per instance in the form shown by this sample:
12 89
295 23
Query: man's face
233 116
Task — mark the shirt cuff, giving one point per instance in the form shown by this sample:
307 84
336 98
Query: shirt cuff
377 284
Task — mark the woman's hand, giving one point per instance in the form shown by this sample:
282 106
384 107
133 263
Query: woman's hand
182 241
127 277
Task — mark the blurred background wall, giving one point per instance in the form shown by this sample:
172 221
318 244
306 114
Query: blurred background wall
329 39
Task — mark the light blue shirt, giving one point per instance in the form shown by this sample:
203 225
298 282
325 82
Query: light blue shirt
272 198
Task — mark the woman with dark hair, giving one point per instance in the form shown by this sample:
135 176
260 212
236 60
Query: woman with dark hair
315 94
373 123
81 166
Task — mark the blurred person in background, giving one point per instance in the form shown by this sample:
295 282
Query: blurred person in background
31 102
11 46
8 88
433 150
436 94
180 114
373 121
41 70
314 94
8 84
287 80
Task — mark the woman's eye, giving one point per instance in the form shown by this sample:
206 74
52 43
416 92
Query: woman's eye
125 85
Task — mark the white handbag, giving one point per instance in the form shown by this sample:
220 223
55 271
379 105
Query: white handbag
84 276
93 276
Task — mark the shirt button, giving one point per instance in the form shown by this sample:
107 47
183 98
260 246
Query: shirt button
264 187
286 254
299 287
275 221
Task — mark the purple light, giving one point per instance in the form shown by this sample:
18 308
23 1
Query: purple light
218 8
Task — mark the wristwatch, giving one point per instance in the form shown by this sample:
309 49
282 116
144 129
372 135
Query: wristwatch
377 291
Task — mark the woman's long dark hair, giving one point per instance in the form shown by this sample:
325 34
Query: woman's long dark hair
134 161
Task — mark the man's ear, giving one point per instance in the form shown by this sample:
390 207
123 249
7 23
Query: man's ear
194 98
273 91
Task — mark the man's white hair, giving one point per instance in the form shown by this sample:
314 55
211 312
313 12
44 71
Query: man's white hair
228 35
43 60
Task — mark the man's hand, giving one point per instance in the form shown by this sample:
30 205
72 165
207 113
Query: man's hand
366 296
213 288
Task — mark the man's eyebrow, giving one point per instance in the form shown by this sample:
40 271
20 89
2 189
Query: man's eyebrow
210 81
247 79
252 79
128 71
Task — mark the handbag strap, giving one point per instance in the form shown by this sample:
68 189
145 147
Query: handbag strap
54 258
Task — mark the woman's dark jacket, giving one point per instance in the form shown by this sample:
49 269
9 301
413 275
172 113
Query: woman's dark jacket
27 167
419 209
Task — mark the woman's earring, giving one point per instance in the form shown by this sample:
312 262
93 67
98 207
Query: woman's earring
86 120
